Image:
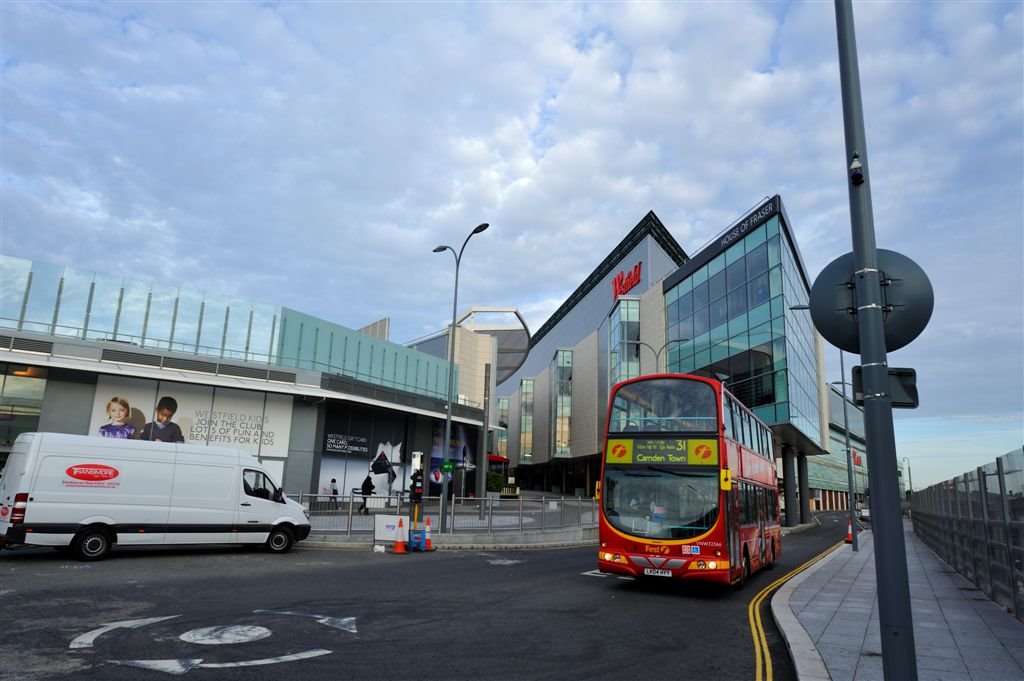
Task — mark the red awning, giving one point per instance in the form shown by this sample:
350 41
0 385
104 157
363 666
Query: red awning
496 458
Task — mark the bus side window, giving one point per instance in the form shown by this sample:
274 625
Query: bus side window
727 416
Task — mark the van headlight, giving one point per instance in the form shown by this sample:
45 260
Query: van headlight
305 511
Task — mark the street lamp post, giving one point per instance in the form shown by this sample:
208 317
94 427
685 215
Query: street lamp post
657 353
910 478
849 461
446 445
851 490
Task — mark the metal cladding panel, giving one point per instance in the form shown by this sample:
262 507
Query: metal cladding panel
542 417
587 400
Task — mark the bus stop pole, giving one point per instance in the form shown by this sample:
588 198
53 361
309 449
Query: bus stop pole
899 662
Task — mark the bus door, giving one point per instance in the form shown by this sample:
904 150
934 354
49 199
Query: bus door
733 527
762 520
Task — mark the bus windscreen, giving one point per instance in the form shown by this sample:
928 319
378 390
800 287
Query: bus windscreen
660 502
664 405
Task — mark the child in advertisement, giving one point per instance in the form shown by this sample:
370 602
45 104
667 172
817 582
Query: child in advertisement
118 411
161 428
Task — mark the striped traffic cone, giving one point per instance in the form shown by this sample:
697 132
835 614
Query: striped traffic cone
429 546
399 543
849 531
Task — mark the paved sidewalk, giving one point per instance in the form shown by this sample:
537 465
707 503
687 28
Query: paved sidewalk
829 618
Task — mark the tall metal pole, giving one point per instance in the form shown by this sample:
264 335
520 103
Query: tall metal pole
850 492
446 446
899 662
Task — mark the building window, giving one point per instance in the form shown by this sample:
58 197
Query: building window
21 399
501 439
561 399
526 420
624 332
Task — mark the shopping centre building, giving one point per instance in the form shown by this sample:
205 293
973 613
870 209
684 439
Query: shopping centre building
724 313
316 400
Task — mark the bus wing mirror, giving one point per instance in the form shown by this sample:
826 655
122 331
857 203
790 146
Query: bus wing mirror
597 490
725 480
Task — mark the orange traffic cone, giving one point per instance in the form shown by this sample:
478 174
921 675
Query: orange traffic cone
849 531
399 543
429 546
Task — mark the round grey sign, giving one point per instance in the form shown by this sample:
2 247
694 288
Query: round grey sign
907 298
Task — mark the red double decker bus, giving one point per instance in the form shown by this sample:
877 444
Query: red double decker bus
688 483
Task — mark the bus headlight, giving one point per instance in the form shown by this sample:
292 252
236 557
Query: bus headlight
712 565
701 565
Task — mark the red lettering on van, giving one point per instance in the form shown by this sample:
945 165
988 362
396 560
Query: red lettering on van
92 472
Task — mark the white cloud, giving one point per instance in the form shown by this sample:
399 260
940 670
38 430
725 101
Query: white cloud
312 154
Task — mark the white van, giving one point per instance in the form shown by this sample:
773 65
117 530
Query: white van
89 493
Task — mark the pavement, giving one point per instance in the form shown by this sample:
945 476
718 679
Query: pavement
828 615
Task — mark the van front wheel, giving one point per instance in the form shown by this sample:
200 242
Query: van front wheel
91 544
280 540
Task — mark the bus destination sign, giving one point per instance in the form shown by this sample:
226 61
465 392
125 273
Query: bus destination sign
662 451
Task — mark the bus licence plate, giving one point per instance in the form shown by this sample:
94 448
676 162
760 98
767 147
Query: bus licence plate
655 572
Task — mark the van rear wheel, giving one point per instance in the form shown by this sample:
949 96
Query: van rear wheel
91 544
280 540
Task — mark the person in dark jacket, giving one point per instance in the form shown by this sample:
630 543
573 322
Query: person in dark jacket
367 490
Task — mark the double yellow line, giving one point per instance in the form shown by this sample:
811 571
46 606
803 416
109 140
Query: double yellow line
763 657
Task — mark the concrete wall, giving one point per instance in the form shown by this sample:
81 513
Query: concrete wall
67 406
302 467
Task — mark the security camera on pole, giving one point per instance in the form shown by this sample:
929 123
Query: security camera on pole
446 445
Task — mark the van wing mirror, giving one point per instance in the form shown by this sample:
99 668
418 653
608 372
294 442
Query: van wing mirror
279 495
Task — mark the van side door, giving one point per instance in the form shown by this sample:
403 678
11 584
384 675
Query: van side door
203 509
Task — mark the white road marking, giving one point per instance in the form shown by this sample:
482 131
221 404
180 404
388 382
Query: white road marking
598 573
86 639
175 667
270 660
235 633
504 561
344 623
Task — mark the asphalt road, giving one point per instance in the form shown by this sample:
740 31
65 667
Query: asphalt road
232 614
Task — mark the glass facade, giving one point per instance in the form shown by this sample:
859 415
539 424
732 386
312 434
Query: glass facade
59 301
561 399
21 399
730 320
526 420
623 337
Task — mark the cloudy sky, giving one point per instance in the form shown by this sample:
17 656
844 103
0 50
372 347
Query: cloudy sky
312 155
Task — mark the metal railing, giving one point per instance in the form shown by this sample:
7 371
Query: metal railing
491 515
975 522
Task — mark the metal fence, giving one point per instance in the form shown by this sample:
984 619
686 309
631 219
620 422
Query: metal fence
491 515
975 522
